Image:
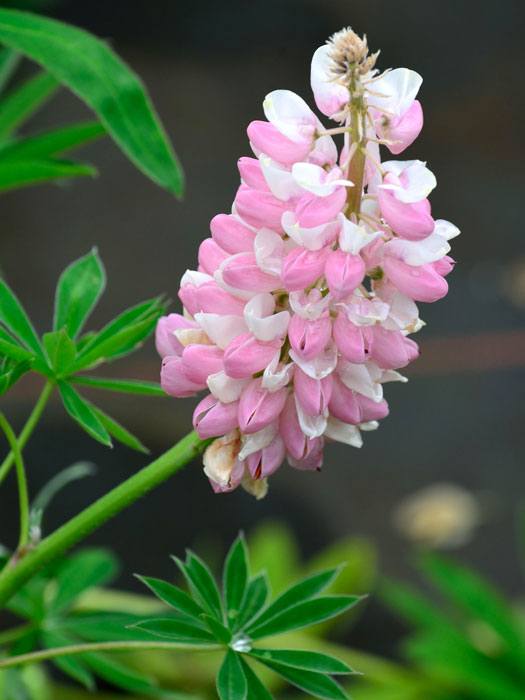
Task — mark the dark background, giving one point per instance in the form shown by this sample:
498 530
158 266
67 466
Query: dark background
208 66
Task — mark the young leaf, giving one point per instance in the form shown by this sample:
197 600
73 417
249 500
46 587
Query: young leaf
201 583
176 630
231 681
118 431
88 568
304 614
80 410
316 684
306 660
254 601
94 73
52 143
72 666
123 386
10 376
9 348
78 291
297 593
221 633
24 101
20 173
60 350
173 596
15 319
256 690
235 578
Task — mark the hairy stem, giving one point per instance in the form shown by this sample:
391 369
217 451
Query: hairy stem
356 169
36 656
28 428
95 515
23 496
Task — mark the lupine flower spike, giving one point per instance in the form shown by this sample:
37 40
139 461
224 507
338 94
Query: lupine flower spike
304 297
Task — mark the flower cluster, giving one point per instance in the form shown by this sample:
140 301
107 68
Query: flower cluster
304 297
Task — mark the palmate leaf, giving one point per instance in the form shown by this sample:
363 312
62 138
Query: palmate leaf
235 578
78 291
9 61
119 675
94 73
316 684
60 350
80 410
9 348
87 568
231 681
256 690
118 431
184 631
122 386
72 666
305 660
52 143
24 101
10 375
173 596
257 592
20 173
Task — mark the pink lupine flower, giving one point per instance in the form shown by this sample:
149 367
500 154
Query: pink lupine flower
303 303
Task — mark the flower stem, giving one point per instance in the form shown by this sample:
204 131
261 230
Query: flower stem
28 428
95 515
23 497
356 169
35 656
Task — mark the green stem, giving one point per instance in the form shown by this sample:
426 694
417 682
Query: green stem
35 656
28 428
95 515
23 496
356 170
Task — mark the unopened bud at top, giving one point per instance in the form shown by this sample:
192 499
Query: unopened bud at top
349 55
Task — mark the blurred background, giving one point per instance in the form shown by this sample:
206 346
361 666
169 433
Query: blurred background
460 419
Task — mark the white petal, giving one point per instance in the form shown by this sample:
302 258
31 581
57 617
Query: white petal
358 378
310 306
280 181
262 322
403 314
324 151
395 91
195 278
369 425
390 375
343 432
354 238
321 366
311 238
290 114
420 181
224 388
315 179
269 251
446 229
366 312
312 426
221 329
276 375
257 441
330 97
430 249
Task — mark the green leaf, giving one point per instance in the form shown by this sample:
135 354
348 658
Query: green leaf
15 319
52 143
20 173
315 684
255 599
304 614
80 410
121 343
118 674
78 291
9 348
9 61
235 578
88 568
176 630
202 584
173 596
94 73
60 350
306 660
231 681
118 431
256 690
475 596
11 375
123 386
221 633
297 593
72 666
24 101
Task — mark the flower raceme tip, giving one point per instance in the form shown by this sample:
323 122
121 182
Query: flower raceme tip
303 300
